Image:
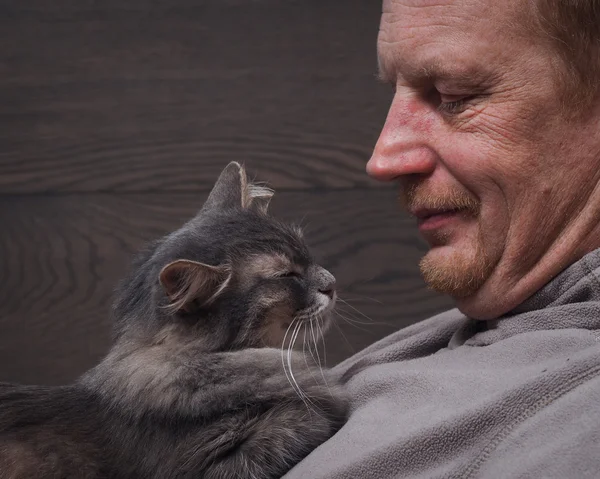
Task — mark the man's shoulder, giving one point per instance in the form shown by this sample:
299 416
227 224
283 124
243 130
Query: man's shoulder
558 439
419 339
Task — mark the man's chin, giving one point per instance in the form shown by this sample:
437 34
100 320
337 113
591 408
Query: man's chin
459 273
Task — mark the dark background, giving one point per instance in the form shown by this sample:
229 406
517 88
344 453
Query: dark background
116 117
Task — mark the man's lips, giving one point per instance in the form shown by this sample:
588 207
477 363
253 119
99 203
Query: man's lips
430 219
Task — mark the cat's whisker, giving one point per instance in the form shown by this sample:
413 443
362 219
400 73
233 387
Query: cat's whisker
305 395
352 322
361 298
311 349
358 321
319 319
304 346
344 336
287 368
358 311
314 338
322 337
289 357
291 378
302 224
354 316
351 319
283 350
301 393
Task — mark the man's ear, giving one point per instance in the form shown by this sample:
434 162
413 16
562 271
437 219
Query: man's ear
187 282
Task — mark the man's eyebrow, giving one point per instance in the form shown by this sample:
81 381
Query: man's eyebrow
433 70
383 74
441 71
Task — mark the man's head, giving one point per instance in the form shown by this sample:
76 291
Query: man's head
494 136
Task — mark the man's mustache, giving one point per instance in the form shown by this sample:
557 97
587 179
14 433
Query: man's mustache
417 197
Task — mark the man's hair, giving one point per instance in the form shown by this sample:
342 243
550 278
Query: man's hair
573 27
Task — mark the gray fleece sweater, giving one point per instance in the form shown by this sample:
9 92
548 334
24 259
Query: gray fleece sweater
518 397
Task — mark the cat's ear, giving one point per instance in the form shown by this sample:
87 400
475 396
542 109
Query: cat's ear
259 198
188 282
228 189
232 190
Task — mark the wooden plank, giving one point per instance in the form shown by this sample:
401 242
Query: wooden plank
115 96
61 256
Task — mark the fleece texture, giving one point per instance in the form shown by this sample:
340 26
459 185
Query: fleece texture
451 397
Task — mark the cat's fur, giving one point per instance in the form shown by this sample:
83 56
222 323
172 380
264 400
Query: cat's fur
194 385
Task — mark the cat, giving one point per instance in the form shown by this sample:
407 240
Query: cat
201 380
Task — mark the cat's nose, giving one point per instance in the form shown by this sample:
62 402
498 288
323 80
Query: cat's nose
327 283
328 290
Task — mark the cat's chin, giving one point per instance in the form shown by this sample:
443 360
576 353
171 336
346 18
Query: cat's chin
301 331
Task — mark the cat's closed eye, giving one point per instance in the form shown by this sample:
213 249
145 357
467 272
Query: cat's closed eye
289 274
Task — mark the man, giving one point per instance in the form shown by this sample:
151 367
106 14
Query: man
494 137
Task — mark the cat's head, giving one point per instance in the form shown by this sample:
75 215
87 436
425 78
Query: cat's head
232 276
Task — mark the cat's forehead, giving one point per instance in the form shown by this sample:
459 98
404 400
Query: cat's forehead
241 236
275 242
271 264
275 252
265 231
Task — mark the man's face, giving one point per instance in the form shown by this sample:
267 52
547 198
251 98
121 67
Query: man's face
505 189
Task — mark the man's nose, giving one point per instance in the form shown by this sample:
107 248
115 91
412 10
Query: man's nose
404 147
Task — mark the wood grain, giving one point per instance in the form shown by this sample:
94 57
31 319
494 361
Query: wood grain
118 115
132 96
61 256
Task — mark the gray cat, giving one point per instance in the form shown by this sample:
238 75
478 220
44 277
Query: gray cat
201 380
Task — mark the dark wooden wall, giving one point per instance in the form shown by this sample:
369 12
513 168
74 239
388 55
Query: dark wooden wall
116 116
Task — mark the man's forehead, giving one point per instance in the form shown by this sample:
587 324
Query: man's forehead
410 14
424 20
389 5
422 39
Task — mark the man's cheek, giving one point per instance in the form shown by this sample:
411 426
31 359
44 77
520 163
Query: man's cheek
499 129
472 162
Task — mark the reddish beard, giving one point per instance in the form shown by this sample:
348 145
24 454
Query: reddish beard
415 195
461 272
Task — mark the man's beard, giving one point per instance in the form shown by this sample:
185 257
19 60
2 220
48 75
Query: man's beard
460 273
